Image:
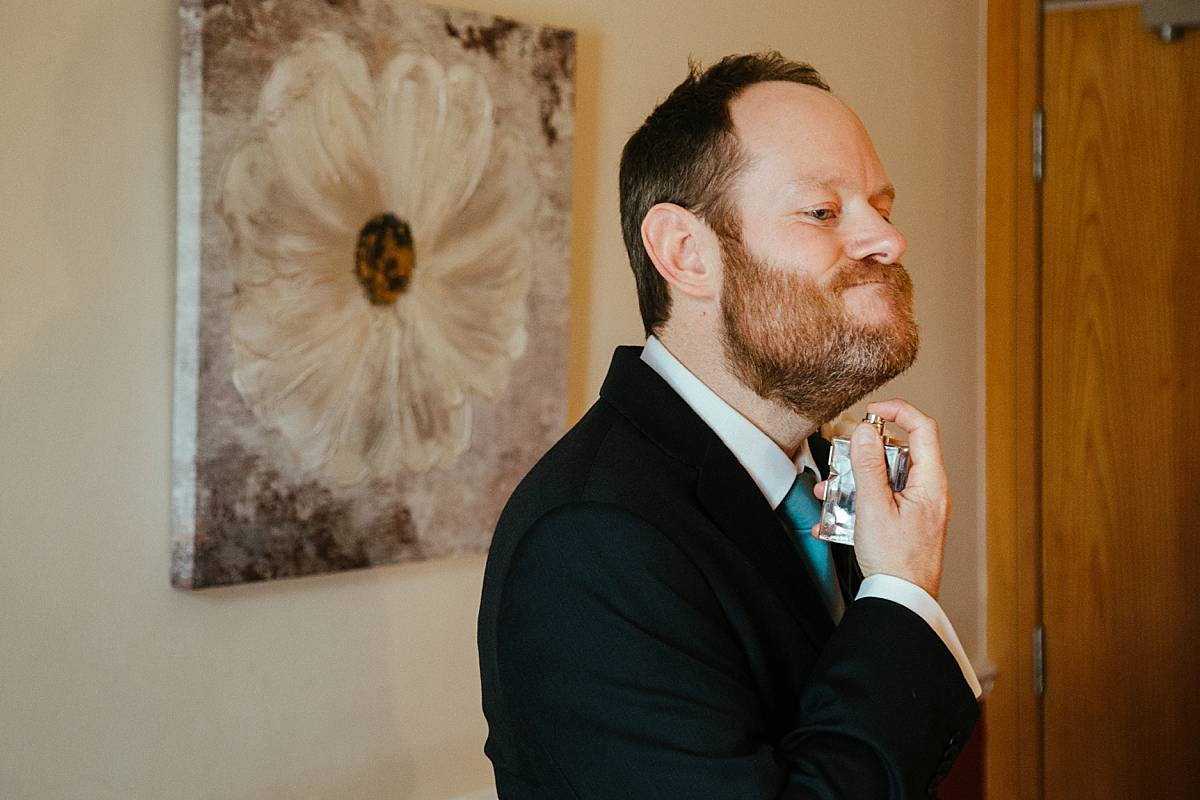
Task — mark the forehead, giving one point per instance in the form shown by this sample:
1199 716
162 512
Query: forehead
795 134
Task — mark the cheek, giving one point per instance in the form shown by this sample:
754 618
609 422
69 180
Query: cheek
795 247
814 252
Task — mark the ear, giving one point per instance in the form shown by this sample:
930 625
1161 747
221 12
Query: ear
678 244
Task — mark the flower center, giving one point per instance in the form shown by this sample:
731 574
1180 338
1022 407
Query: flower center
383 259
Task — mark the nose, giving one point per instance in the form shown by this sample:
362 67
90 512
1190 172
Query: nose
876 238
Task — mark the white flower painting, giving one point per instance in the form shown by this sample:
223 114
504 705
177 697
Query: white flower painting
374 211
372 368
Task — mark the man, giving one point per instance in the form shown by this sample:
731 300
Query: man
652 623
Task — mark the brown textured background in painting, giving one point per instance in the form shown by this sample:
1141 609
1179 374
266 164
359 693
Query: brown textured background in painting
256 514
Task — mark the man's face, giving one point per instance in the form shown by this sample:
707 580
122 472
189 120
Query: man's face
817 310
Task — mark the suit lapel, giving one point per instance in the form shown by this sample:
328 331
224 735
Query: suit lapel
738 508
724 488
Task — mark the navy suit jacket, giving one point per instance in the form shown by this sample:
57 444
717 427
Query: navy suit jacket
647 630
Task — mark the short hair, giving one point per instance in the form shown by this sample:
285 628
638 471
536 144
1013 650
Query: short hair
687 153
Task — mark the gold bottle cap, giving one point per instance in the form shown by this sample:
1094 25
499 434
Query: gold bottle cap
875 420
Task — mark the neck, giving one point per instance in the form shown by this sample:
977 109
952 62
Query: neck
696 352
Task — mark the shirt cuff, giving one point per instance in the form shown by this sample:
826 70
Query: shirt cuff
917 600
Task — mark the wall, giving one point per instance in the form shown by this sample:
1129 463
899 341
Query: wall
362 685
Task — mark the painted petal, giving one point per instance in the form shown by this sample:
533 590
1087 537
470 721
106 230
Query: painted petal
477 328
434 137
502 207
314 110
345 385
300 371
271 235
473 294
411 111
428 418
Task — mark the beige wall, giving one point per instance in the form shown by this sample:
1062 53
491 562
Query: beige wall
360 685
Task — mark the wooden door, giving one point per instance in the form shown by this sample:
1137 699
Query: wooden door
1120 408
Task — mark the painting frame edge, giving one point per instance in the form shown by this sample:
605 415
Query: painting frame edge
189 194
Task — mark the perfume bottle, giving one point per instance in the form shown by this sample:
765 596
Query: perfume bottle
837 513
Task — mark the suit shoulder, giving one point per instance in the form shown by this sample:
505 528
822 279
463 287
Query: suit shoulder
561 474
595 531
603 458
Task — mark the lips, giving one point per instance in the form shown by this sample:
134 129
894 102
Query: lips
892 277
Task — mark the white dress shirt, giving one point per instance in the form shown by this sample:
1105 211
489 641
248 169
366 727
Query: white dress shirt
774 473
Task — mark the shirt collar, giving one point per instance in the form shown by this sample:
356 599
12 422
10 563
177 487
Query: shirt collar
770 468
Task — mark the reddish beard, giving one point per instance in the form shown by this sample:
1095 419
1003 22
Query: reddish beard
796 344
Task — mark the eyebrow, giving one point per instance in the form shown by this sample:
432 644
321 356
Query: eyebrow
887 190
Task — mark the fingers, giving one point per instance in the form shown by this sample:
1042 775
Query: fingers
924 441
901 533
870 468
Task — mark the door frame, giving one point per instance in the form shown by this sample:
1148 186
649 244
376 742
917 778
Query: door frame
1012 275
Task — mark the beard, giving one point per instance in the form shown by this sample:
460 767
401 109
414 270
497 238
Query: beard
798 345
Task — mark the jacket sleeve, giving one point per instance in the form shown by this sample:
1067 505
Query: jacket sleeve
628 680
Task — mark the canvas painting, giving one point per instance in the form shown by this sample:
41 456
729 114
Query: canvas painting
372 273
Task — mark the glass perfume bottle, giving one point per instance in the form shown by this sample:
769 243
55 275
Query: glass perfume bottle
837 513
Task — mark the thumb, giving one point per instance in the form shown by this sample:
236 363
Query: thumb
870 470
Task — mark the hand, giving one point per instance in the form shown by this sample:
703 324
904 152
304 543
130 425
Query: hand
900 533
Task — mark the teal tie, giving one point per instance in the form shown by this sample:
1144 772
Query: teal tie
800 510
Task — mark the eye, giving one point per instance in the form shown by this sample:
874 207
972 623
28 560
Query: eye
822 214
